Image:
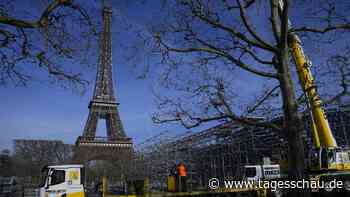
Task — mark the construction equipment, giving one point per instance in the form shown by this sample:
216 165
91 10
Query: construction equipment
262 172
62 181
68 181
330 157
328 161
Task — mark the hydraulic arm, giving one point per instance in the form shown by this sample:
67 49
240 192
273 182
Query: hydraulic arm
327 156
321 132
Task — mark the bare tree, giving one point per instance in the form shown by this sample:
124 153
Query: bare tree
48 38
6 168
216 54
34 154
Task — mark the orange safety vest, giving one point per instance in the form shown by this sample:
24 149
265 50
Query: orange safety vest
181 170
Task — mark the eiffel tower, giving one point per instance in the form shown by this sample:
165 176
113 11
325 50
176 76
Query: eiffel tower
103 106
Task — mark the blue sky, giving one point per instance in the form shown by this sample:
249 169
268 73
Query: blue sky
44 111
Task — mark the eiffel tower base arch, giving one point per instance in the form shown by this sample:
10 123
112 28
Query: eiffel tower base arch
87 150
118 155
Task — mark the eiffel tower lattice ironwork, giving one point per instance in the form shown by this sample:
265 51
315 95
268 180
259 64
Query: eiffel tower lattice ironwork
103 106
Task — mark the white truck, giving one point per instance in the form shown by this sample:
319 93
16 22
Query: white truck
262 172
265 172
62 181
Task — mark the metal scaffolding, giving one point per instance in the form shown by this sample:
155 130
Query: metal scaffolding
223 150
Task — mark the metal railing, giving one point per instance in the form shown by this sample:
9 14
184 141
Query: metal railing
98 139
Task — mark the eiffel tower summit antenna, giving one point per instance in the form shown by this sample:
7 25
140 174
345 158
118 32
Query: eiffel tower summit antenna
103 105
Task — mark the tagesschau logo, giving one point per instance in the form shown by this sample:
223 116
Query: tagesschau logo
273 185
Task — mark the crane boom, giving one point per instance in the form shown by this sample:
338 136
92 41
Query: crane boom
321 131
326 156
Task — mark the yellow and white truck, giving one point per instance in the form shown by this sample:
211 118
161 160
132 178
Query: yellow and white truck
62 181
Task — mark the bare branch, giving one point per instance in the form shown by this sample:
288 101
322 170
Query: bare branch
255 57
54 70
321 31
263 99
284 25
214 50
219 103
215 24
343 63
46 43
8 37
42 22
249 27
274 20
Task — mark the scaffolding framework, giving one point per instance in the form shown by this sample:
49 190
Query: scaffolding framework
223 150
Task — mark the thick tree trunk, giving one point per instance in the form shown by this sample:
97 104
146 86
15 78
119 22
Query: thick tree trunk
293 125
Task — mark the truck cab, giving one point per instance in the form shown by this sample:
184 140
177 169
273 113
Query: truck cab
62 181
262 172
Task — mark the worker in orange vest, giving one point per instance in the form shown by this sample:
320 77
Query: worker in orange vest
182 177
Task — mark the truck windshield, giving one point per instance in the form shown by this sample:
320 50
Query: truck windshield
57 177
43 176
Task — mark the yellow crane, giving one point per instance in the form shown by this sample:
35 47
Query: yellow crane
328 161
330 156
